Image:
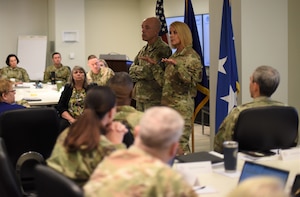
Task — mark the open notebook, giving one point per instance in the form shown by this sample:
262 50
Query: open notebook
251 169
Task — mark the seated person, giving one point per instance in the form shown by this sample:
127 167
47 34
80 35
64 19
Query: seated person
12 71
62 73
263 83
71 103
7 98
103 63
122 85
80 148
260 186
98 74
142 169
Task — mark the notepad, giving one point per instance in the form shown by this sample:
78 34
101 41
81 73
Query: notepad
199 156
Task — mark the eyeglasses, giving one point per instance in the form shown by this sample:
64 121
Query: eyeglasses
11 91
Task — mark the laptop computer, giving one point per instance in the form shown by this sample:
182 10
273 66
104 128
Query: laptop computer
251 169
199 156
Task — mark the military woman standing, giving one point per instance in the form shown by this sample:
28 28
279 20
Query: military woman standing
183 72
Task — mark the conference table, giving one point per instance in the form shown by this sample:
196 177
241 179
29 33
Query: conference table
44 95
218 183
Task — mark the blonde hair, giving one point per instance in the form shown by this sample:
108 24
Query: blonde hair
183 32
259 186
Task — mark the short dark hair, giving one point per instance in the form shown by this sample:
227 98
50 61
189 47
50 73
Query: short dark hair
92 57
9 56
55 53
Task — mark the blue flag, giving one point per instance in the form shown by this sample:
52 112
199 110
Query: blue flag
202 88
227 82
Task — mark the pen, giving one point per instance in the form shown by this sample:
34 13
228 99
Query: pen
199 188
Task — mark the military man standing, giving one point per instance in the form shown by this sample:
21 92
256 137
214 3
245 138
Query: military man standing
147 92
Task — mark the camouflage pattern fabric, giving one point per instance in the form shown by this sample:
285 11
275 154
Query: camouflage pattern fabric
147 91
133 172
76 103
128 115
179 87
20 74
101 78
226 129
23 103
61 74
79 165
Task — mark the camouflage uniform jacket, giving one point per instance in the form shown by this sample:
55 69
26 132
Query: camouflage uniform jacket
180 80
20 74
226 129
128 115
134 172
79 165
146 85
61 74
102 77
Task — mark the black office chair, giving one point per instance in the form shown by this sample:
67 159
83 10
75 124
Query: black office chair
266 128
28 130
9 185
51 183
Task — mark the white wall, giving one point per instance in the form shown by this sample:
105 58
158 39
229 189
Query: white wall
264 41
19 17
70 16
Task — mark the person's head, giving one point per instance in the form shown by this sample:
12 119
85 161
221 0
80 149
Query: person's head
122 85
7 91
78 75
264 81
102 63
150 29
180 35
260 186
99 111
93 63
159 131
12 60
56 58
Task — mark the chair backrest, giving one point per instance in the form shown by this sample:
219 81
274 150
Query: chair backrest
9 186
265 128
51 183
32 129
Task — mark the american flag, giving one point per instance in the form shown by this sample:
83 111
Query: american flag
161 16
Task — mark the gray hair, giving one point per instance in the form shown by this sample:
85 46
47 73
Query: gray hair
267 78
160 127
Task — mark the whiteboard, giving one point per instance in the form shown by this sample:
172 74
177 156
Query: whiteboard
32 55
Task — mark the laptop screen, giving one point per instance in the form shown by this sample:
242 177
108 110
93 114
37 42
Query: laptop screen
251 169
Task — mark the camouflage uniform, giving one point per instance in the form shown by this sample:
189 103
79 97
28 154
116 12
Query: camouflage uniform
147 92
179 87
61 74
133 172
128 115
79 165
23 103
226 129
101 78
20 74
